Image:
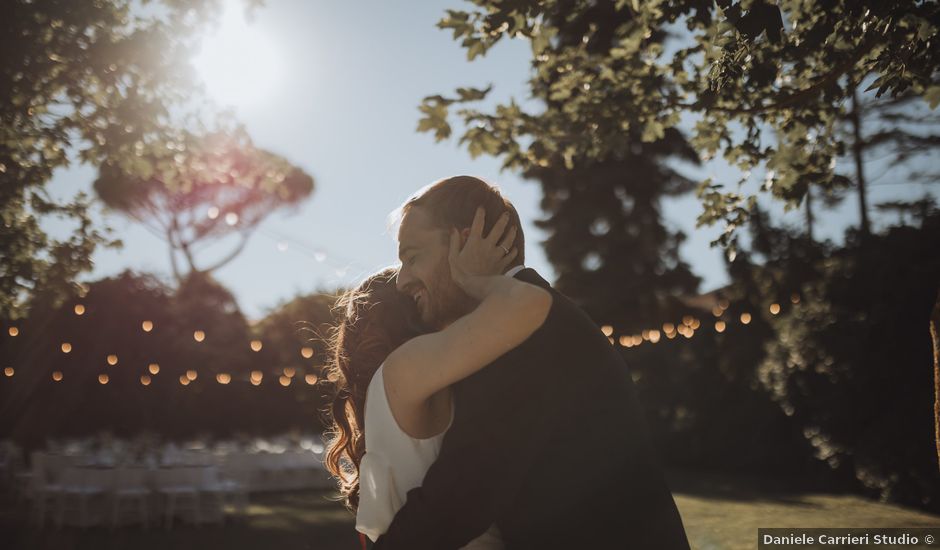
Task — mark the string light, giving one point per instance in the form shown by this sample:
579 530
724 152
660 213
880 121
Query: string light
8 372
795 298
231 218
723 303
687 328
213 212
13 331
314 252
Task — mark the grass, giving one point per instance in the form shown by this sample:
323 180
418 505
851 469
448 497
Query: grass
719 511
722 512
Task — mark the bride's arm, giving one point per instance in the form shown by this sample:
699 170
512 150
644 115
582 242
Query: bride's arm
510 310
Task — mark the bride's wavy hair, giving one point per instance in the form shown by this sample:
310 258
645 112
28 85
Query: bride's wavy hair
374 319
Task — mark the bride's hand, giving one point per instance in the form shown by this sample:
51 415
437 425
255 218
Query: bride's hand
481 256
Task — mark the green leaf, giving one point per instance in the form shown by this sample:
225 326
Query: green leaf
932 95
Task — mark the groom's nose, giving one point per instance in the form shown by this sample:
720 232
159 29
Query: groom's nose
402 279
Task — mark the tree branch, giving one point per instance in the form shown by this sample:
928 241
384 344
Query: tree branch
789 100
231 256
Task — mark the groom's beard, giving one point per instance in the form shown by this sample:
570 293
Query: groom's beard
447 302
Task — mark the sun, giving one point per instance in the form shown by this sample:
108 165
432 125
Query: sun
239 65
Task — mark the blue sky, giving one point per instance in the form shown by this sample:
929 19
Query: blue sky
342 104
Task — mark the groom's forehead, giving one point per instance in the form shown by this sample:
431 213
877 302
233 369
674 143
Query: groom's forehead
416 227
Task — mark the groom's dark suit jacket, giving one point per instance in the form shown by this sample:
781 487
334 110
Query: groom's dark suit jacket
549 443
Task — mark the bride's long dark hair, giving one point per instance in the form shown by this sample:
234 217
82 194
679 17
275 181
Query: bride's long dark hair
374 320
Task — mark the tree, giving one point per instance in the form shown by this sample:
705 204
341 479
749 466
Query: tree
849 366
900 132
98 332
184 363
89 82
222 186
295 335
607 239
762 83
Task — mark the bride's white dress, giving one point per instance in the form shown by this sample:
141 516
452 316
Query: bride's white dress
393 464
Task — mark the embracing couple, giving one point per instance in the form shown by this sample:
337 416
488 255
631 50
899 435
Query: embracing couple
479 408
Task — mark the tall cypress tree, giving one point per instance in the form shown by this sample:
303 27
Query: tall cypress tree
607 238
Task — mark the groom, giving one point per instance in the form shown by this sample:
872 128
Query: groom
548 442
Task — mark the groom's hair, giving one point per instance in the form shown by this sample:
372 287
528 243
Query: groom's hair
452 202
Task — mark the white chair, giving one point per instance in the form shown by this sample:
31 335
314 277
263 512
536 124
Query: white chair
221 493
39 486
78 488
268 472
240 468
130 485
180 490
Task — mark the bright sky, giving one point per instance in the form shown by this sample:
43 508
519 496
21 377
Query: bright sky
335 90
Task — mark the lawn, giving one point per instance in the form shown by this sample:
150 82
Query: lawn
719 511
724 512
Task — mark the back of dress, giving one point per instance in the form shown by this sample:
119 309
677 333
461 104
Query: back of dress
393 464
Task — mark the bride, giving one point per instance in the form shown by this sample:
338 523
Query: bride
393 403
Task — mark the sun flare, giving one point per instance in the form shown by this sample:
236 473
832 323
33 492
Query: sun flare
238 63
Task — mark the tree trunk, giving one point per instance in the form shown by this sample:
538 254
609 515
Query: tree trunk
935 336
173 265
857 150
